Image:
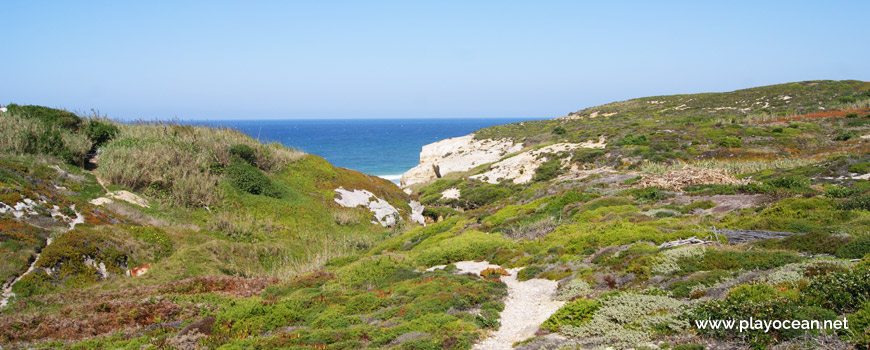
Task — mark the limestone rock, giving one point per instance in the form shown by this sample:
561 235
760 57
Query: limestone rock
456 154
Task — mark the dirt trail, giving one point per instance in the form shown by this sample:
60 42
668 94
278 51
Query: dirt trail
527 306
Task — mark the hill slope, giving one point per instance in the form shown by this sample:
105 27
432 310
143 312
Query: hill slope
621 225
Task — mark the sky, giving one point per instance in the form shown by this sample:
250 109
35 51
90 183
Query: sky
215 60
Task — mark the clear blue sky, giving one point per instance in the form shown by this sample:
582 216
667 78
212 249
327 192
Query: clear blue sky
368 59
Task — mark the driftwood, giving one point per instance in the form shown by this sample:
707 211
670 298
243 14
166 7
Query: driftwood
682 242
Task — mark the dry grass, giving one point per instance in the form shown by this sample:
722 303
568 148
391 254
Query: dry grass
179 163
17 136
732 167
346 216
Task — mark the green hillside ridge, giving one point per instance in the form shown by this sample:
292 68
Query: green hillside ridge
248 249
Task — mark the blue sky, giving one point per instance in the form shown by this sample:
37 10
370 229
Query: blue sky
376 59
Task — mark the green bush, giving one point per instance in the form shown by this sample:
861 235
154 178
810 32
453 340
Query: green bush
549 170
844 136
651 194
840 291
559 130
855 203
731 142
860 168
792 182
574 313
252 180
856 249
374 271
49 116
689 347
859 323
530 272
586 155
245 152
99 132
840 192
638 140
476 197
759 302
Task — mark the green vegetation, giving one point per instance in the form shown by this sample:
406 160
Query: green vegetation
245 242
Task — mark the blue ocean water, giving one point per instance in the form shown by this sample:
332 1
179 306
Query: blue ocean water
382 147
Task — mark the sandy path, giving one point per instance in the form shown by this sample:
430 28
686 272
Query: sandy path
528 305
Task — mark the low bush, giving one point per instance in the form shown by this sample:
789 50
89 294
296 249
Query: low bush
530 272
841 291
855 203
574 313
635 140
844 136
548 170
651 194
244 152
731 142
371 272
247 178
101 132
759 302
856 249
814 242
793 182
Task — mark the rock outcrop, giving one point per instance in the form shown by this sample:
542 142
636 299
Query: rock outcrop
456 154
385 214
521 168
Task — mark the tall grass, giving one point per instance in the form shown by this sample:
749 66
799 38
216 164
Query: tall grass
180 163
21 134
733 167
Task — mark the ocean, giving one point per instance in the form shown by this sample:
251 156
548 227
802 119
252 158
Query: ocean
381 147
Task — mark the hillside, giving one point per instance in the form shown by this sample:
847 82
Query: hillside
615 226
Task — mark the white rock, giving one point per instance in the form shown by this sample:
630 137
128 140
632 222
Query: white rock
417 213
521 168
451 193
456 154
385 213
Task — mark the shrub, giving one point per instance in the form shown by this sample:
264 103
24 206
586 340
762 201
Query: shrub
731 142
559 130
475 197
548 170
855 203
250 179
844 136
373 271
860 168
575 288
574 313
860 323
530 272
852 115
245 152
101 132
651 194
759 302
840 192
856 249
842 291
689 347
638 140
792 182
